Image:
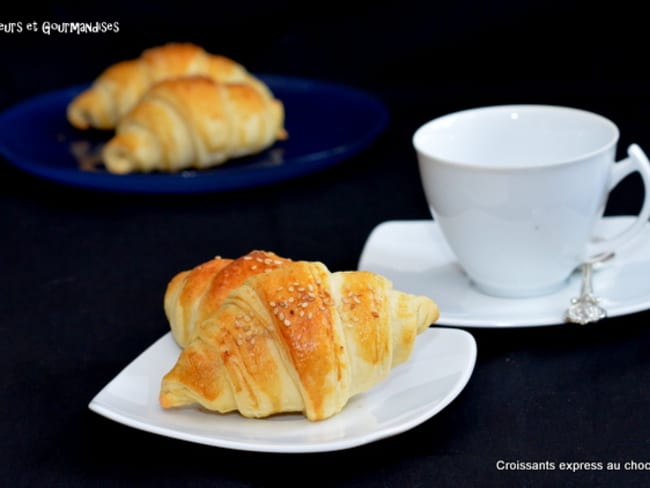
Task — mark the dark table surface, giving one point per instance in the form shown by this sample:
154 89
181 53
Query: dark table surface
83 272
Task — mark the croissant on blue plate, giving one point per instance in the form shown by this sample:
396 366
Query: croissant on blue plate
120 86
194 123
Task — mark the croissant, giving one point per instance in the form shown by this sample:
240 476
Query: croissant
297 339
193 122
193 295
118 88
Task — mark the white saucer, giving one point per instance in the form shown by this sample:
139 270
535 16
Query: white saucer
414 255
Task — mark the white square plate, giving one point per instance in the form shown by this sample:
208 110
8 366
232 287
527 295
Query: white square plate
437 371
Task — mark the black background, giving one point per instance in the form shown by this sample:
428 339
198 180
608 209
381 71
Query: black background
84 272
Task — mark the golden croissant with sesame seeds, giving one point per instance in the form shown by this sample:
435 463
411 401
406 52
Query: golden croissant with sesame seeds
120 86
193 295
297 339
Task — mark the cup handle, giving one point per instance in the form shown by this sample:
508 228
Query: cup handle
636 161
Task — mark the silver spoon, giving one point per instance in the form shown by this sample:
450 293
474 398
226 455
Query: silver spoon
586 309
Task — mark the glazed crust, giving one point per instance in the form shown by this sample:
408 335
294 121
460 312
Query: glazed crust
193 295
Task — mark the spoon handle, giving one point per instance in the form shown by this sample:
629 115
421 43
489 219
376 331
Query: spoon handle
587 287
585 308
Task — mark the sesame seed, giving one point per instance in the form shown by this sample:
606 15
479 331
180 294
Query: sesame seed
268 261
272 303
290 299
287 322
281 316
290 288
254 267
304 304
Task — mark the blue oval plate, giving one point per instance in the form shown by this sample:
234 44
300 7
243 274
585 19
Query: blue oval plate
327 123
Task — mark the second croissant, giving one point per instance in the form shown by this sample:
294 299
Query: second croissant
194 122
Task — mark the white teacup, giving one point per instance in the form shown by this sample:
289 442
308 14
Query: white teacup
517 191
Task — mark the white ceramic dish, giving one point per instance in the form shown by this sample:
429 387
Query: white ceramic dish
414 255
438 370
